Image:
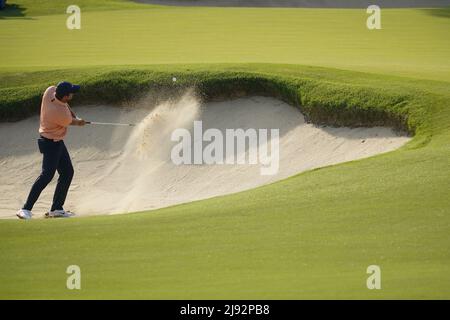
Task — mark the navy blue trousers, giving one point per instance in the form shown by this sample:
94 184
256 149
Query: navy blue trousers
55 158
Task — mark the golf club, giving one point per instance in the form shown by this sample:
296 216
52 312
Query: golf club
111 123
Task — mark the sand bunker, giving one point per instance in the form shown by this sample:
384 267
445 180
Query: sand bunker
126 169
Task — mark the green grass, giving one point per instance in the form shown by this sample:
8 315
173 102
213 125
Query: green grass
346 104
310 236
28 8
413 42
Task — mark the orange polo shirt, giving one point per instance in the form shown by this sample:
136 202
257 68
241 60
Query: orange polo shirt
55 116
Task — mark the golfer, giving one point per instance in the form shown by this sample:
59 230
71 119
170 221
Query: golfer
56 116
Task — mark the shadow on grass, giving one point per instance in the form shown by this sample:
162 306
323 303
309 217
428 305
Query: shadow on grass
439 12
13 11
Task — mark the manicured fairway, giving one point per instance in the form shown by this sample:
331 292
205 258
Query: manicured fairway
413 42
310 236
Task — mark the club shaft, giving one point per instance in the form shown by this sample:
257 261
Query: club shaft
111 123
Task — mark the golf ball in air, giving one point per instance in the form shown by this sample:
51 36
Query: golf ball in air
174 79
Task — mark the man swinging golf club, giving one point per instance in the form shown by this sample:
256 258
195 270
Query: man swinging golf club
55 117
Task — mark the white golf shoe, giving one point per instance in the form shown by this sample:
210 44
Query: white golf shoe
58 214
24 214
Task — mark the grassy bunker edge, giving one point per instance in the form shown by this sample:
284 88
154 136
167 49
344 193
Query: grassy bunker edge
322 102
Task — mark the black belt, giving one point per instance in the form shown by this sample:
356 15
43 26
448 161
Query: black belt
47 139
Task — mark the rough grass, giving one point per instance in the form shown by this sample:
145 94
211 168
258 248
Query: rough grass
310 236
331 103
